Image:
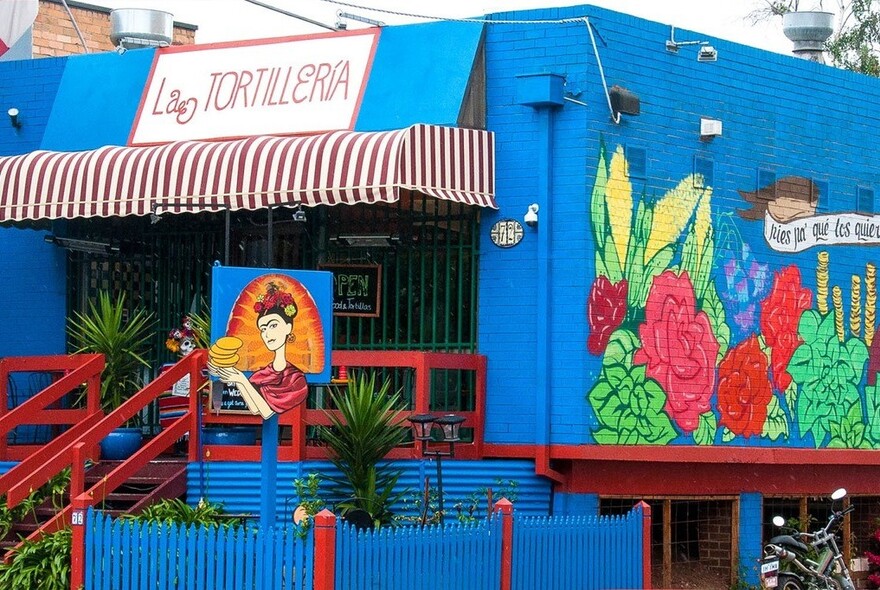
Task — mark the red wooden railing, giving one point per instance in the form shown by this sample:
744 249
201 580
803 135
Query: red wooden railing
70 372
423 363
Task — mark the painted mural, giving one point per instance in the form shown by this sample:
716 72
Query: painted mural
701 342
273 337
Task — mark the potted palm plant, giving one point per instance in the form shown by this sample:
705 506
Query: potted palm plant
123 341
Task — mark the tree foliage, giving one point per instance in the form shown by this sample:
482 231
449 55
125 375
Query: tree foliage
855 43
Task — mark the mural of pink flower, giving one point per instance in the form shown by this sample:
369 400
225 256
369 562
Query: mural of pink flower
679 348
744 389
606 309
780 315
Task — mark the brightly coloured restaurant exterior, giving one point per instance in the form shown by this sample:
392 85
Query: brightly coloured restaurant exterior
689 320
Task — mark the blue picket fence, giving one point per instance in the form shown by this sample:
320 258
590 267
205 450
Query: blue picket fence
584 552
123 554
454 556
588 553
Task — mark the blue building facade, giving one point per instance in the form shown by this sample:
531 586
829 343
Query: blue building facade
692 317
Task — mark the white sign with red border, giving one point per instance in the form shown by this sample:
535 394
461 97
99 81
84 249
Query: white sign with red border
290 86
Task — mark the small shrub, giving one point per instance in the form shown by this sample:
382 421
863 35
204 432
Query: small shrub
39 565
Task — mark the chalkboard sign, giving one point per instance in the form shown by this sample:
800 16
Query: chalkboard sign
226 398
357 289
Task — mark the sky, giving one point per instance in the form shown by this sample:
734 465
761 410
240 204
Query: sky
232 20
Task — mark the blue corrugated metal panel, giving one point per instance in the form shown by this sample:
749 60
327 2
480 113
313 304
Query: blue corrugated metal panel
237 485
414 80
97 100
6 466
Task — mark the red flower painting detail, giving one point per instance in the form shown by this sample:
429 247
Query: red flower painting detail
780 315
606 309
679 348
744 389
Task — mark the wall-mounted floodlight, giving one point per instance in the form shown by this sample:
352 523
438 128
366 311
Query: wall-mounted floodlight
13 117
707 53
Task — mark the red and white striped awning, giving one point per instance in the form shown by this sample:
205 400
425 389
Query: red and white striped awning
342 167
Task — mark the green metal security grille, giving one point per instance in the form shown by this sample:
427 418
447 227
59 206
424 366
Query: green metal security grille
429 266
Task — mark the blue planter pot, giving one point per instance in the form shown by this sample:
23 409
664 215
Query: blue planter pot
230 435
121 444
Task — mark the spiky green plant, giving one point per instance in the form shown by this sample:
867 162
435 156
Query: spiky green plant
201 327
360 436
176 511
124 342
39 565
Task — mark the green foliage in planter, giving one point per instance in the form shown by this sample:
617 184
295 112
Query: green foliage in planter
55 490
176 511
308 492
360 438
39 565
124 342
424 508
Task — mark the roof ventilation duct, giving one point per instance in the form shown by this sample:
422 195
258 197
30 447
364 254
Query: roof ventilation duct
132 28
808 31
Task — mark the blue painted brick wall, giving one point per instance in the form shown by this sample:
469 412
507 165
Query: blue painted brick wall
32 301
781 113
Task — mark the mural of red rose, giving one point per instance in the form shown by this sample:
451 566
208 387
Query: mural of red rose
606 309
744 389
780 314
679 348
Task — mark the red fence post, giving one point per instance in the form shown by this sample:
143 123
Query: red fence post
506 509
325 551
78 543
646 544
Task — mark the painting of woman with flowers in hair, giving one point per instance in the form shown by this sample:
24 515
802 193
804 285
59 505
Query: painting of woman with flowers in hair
275 332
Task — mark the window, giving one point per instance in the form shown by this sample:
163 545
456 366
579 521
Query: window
637 162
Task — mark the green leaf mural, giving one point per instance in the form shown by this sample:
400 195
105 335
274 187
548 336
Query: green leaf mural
621 347
849 431
828 373
714 309
705 432
776 426
629 408
872 405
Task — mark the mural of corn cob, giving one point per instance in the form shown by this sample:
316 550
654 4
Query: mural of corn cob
870 302
672 214
855 306
822 283
837 301
619 201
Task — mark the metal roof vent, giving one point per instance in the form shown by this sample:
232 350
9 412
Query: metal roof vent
131 28
808 30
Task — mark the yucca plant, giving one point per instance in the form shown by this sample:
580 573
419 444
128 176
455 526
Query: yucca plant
362 434
176 511
39 565
124 342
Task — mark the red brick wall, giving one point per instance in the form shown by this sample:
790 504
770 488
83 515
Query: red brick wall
54 34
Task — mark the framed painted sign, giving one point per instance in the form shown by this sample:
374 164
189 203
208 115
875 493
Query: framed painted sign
357 289
274 328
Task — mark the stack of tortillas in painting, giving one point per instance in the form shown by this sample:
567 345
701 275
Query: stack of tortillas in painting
224 352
